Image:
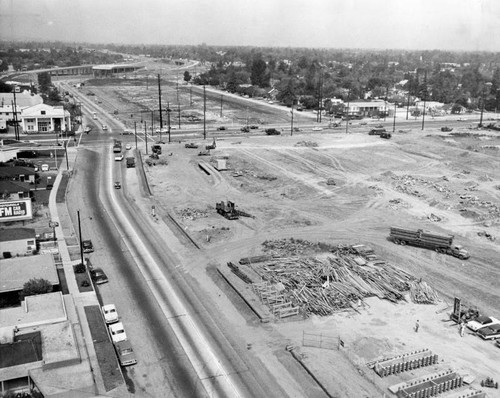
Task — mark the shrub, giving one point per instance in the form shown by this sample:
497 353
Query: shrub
80 268
85 283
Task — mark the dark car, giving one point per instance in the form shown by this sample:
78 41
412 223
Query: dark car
490 332
272 131
191 145
98 276
245 129
253 127
221 128
118 185
88 247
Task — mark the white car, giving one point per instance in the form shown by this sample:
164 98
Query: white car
317 129
45 167
481 322
104 127
109 313
128 147
117 332
119 158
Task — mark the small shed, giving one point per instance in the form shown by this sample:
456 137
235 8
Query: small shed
221 164
17 241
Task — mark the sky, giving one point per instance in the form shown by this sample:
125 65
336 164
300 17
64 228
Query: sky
469 25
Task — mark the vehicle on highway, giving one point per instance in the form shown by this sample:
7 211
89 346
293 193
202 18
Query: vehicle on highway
119 157
98 276
94 115
191 145
118 185
128 147
104 127
385 135
45 167
221 128
253 127
110 314
130 161
377 131
317 129
245 129
272 131
87 246
117 332
480 322
490 332
125 353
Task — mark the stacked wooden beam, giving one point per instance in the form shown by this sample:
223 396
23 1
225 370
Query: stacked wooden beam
422 293
325 286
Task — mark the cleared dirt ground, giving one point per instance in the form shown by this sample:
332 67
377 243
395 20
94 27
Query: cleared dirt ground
439 181
444 182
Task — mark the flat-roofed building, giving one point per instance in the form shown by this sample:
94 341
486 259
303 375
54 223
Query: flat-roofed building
43 118
17 241
15 272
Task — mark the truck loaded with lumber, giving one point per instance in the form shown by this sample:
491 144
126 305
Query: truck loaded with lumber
429 240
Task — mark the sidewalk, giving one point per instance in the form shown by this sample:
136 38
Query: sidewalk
80 299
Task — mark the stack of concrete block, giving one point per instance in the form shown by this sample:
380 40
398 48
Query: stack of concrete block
405 362
428 386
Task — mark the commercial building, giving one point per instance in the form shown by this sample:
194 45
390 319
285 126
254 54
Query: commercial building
366 108
17 242
43 118
111 70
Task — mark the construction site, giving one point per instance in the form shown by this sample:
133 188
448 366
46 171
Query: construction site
290 236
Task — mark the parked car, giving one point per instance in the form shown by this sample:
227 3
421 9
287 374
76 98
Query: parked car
87 245
104 127
117 332
118 185
125 353
221 128
480 322
272 131
254 127
98 276
245 129
490 332
191 145
110 314
128 147
317 128
119 157
45 167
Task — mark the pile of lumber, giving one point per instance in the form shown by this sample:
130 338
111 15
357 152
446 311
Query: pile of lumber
322 286
422 293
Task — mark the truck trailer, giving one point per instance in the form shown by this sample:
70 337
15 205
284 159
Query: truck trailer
429 240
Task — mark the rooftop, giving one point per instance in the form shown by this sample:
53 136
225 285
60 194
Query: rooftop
15 272
8 234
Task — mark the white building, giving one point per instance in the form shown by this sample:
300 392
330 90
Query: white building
366 108
45 118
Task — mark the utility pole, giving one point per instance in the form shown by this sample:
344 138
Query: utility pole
66 151
14 109
135 134
146 137
221 97
204 113
80 236
425 99
394 122
291 127
347 113
168 120
159 101
408 103
190 96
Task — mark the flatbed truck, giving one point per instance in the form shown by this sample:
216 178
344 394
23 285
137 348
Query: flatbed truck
429 240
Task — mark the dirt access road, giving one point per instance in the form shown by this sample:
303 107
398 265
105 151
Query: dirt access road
445 182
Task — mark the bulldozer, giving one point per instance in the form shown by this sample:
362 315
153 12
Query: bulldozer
227 210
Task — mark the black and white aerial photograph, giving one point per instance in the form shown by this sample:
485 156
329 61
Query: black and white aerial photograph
249 199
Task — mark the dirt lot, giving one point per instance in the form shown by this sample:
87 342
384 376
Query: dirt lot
346 189
443 182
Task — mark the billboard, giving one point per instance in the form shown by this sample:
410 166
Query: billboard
15 210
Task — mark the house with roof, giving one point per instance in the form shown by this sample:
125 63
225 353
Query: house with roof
17 173
17 242
12 190
366 108
43 118
23 100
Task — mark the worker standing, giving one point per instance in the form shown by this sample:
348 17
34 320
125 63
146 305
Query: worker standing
417 325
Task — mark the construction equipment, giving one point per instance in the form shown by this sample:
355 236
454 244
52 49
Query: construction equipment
385 135
204 153
212 146
446 129
191 145
377 131
463 313
428 240
272 131
131 162
227 210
